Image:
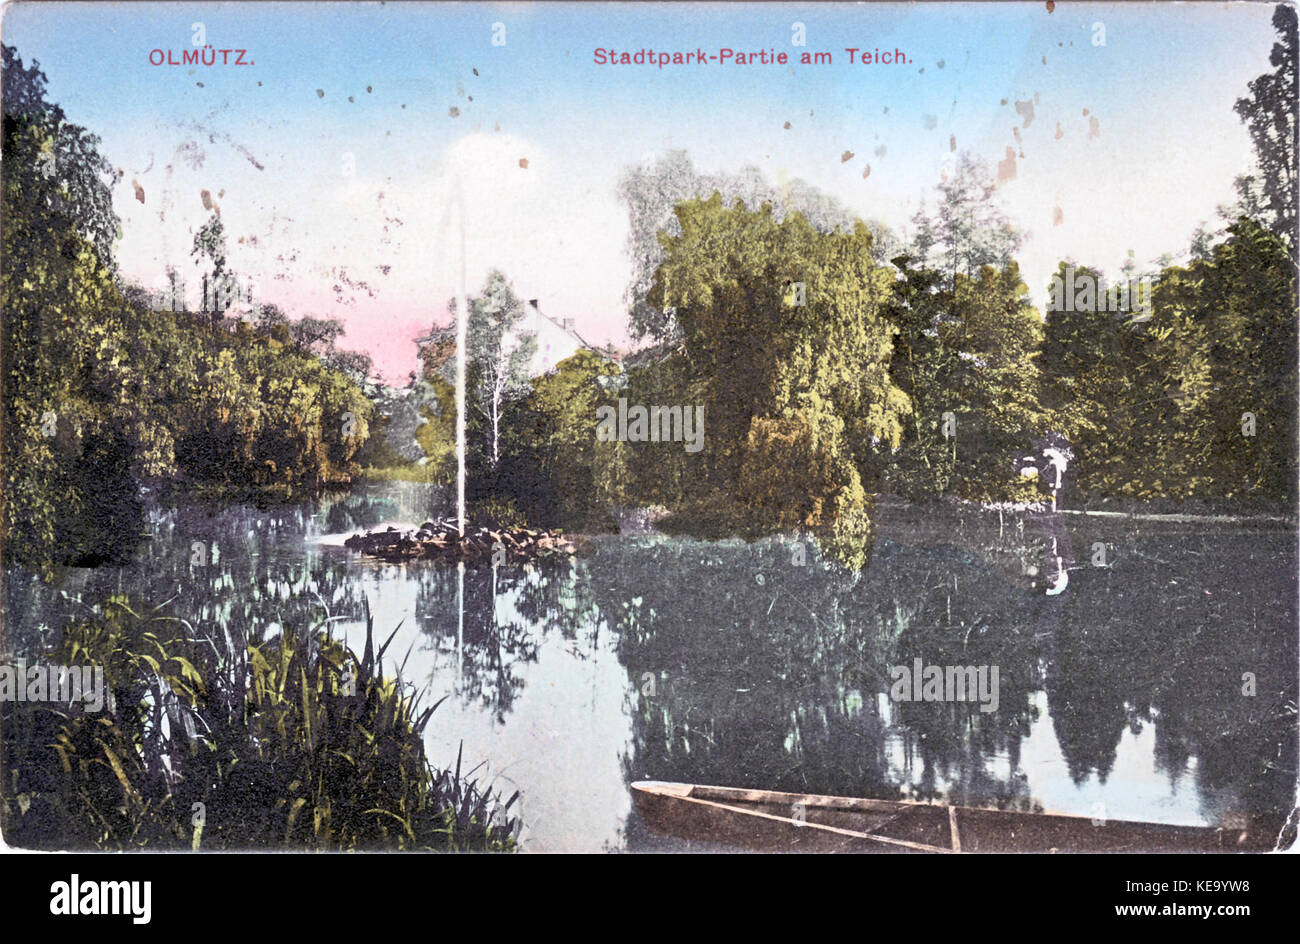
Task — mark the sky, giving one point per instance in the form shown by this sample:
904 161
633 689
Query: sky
335 151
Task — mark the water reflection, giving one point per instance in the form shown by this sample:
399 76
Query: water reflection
781 683
725 662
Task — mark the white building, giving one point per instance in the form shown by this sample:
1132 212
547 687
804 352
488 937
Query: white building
556 340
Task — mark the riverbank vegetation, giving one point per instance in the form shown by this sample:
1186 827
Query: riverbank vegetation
103 392
834 362
826 378
289 742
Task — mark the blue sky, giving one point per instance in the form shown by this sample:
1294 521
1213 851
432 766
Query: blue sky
347 188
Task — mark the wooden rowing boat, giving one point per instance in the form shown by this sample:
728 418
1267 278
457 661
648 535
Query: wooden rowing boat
764 820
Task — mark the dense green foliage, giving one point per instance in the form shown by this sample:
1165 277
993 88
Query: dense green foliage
555 428
825 375
100 393
293 742
652 191
916 380
1198 401
967 356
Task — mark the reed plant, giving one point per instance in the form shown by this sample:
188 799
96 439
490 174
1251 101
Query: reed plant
208 743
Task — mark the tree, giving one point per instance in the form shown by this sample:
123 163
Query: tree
210 250
1242 303
652 191
996 383
1269 113
967 229
967 344
967 356
52 168
356 365
786 330
100 393
269 320
922 367
572 475
61 440
315 335
498 355
1089 365
1199 401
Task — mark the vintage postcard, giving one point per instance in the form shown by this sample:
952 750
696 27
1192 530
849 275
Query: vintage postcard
705 428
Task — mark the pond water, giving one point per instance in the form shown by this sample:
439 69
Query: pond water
1122 647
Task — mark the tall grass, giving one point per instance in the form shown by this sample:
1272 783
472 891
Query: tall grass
292 743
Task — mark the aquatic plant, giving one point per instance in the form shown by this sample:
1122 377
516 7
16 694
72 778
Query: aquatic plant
294 742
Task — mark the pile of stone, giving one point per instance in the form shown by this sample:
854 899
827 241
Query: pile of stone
441 540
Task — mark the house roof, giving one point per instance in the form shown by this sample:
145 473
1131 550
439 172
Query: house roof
440 333
560 324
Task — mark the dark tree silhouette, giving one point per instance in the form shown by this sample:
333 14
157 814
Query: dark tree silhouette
1270 115
53 167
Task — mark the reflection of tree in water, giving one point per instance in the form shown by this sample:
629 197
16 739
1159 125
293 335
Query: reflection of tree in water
1086 704
491 644
957 610
246 589
559 597
1242 744
774 684
1163 638
766 674
507 611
